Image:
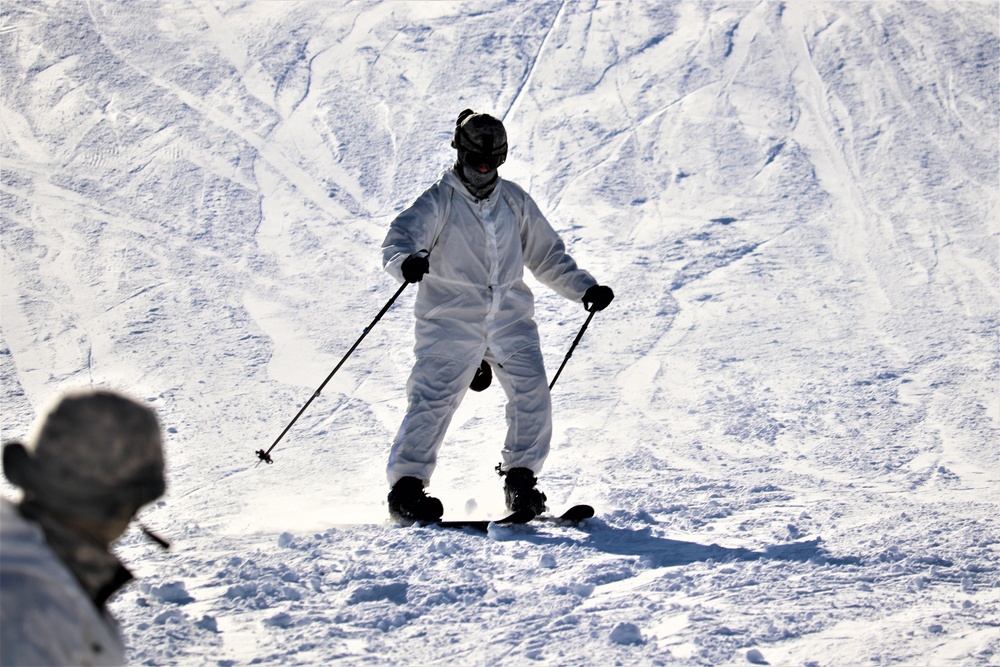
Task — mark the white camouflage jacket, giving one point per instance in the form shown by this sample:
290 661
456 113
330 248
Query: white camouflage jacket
46 618
474 295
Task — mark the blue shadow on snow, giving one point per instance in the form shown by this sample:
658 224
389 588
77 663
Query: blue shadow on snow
664 552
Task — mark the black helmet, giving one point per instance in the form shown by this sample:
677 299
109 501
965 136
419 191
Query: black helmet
480 140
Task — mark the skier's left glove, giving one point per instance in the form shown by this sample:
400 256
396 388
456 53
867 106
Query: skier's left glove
483 377
598 297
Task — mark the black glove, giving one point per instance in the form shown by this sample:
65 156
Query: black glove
483 378
414 267
598 297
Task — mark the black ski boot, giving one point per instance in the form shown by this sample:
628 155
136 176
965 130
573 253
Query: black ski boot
409 503
520 492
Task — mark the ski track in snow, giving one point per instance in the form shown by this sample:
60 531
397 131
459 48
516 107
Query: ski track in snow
788 419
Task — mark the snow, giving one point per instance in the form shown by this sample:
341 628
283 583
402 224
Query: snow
788 421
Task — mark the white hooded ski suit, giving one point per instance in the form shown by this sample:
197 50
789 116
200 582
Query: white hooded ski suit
46 618
472 305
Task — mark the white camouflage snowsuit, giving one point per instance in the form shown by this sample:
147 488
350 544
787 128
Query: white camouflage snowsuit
474 305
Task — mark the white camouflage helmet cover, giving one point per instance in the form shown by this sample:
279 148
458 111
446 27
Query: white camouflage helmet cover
96 454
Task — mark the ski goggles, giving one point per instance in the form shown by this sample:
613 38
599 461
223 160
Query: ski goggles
477 160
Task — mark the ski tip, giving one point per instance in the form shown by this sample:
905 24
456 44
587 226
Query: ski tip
577 513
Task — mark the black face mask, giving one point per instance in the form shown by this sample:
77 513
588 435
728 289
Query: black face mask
479 184
477 177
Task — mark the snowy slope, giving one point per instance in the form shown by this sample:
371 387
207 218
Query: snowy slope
788 420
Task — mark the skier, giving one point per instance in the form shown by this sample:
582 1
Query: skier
467 240
96 459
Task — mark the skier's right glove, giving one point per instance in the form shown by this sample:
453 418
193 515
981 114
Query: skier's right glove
414 267
598 297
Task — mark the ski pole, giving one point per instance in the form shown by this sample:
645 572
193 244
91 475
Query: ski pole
572 347
266 456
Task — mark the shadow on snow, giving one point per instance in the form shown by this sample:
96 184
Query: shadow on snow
663 552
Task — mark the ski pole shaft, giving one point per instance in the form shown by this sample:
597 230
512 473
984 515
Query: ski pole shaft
266 456
572 347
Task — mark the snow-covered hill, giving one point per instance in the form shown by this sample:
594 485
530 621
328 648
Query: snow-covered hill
788 420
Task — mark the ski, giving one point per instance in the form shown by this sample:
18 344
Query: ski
574 514
482 525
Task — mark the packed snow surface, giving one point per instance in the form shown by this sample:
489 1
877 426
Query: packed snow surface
788 421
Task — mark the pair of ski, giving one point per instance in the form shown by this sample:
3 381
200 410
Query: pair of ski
573 515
